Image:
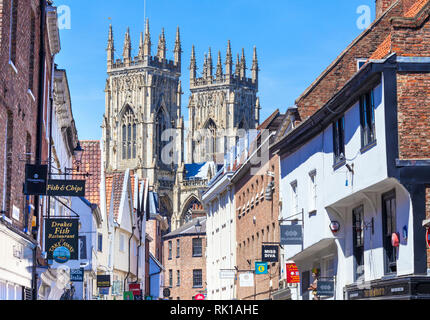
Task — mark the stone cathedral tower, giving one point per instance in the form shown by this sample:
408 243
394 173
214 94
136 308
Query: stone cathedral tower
143 99
220 104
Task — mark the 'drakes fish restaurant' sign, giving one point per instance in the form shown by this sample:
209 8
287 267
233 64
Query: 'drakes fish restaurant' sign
61 239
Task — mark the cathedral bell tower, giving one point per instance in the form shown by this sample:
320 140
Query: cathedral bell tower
143 99
220 105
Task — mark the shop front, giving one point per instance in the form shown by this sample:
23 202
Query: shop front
16 254
398 288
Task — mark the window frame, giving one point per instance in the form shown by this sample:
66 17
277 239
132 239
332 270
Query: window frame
339 141
169 247
390 260
367 119
358 245
197 275
194 253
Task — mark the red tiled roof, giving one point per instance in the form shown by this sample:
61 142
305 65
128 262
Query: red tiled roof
416 8
114 185
91 163
383 50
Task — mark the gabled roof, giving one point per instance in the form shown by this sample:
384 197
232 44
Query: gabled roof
91 163
416 8
188 229
114 187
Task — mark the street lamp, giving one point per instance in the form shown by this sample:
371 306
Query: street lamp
78 153
198 226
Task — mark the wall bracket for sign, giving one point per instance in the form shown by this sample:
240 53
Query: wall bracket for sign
73 211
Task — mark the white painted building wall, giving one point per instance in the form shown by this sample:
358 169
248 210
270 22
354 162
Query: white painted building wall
338 193
221 238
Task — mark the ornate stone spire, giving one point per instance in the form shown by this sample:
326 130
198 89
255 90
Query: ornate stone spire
229 60
178 49
127 48
205 66
161 53
209 64
219 66
141 47
254 68
147 43
110 49
243 65
193 64
237 69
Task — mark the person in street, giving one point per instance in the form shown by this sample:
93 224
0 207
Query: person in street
313 287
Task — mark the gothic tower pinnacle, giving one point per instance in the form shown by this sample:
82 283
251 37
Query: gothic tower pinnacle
229 61
161 53
193 65
254 68
110 49
178 49
127 48
219 66
147 43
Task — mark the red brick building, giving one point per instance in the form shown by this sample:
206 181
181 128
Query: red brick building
20 98
184 253
257 217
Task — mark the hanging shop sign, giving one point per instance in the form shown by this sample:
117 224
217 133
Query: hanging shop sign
428 238
128 295
104 291
227 274
291 235
261 268
77 275
61 239
103 281
293 274
270 253
325 288
135 288
166 292
35 179
66 188
246 280
199 297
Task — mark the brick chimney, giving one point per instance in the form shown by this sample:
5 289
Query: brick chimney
382 6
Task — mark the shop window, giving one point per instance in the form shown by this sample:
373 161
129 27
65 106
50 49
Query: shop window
388 228
339 141
367 119
358 243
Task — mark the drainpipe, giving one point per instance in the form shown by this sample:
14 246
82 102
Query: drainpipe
39 124
129 255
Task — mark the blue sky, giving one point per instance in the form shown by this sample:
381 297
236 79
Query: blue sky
296 40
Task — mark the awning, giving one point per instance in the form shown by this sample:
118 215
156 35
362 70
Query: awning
309 251
283 294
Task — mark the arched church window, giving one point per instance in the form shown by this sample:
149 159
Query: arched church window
129 136
161 124
124 142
